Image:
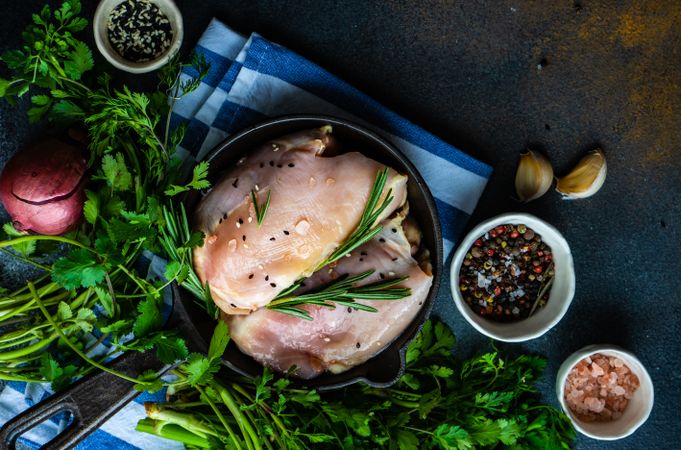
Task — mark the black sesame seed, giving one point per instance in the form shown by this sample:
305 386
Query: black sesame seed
224 216
236 183
279 166
267 278
273 239
291 165
271 163
357 345
232 305
394 230
382 276
220 221
363 253
394 259
250 277
241 221
361 259
349 309
262 165
302 284
243 238
286 233
381 240
273 285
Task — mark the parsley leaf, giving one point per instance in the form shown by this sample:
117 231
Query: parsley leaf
116 173
79 268
199 180
25 248
149 318
199 369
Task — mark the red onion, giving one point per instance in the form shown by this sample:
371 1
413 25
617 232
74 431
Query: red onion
42 187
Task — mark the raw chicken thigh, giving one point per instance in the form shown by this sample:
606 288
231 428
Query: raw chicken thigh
338 339
316 203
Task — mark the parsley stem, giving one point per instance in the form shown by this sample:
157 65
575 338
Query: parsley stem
220 417
21 240
75 83
73 347
24 259
21 379
14 354
241 420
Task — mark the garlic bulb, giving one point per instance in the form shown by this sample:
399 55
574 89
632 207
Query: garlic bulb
586 178
534 176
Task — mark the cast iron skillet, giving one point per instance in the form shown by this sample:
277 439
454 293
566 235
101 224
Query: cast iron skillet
98 396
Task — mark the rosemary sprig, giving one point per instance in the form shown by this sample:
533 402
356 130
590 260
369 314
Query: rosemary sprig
339 292
365 231
260 211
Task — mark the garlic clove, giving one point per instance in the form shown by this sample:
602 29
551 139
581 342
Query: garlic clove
586 178
534 176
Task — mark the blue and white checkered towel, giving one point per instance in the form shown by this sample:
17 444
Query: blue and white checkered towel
251 79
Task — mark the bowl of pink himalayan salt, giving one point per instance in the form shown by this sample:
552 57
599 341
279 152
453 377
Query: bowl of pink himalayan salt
605 390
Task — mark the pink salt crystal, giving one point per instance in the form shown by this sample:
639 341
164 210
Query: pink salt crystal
617 362
594 404
596 370
618 390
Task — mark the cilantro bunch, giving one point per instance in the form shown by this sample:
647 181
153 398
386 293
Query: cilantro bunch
97 290
440 402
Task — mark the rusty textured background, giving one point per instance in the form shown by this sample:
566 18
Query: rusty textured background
494 78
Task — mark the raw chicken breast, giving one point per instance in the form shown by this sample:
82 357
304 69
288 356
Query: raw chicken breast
316 203
338 339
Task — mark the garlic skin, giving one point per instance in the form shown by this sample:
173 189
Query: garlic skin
586 178
534 176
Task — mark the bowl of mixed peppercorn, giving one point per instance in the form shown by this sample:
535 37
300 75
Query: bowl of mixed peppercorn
513 277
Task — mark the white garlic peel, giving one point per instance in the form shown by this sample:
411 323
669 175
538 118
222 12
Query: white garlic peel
586 178
534 176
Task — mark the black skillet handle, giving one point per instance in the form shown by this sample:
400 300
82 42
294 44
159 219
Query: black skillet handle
90 401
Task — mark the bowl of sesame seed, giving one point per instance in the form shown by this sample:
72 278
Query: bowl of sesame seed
138 36
512 277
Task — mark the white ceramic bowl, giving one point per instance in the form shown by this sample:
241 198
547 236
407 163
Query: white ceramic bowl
562 290
99 22
638 409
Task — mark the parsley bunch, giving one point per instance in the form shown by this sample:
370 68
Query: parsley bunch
99 283
440 402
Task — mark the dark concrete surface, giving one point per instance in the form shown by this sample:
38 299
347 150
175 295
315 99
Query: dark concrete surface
494 78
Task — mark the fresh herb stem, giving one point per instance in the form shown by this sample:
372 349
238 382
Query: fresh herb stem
24 239
241 419
26 260
18 353
73 347
220 417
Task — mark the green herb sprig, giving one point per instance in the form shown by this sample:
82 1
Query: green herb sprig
341 291
366 229
440 402
260 210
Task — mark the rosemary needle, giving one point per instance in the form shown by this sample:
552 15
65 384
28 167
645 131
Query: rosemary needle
260 211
